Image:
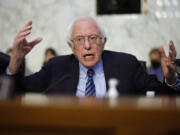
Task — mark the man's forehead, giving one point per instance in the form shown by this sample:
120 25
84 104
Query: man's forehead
85 21
155 55
85 24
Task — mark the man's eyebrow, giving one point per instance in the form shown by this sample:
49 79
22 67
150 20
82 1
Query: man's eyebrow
87 35
79 36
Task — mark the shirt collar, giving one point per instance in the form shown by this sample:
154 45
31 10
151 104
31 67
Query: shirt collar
98 69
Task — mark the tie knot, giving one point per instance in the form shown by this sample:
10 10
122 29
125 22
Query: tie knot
90 73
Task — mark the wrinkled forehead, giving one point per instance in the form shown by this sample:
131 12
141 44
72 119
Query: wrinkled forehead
85 27
155 56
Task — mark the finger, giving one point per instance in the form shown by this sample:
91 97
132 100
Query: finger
23 34
19 40
28 26
34 42
171 56
26 29
163 54
28 23
164 61
171 67
172 47
27 49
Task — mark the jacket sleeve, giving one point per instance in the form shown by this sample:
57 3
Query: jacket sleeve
145 82
36 82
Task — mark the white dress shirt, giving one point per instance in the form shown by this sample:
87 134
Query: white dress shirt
99 80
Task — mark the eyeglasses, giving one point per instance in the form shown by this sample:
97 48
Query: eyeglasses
93 39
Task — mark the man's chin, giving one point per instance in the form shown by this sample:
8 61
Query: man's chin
89 64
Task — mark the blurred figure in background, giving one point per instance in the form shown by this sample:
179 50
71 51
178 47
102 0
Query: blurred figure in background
155 68
9 51
49 54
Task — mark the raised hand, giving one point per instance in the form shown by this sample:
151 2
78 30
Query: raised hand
168 63
21 47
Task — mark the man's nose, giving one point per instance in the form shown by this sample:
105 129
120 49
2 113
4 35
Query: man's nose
87 44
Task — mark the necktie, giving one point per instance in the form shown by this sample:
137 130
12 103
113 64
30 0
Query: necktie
90 87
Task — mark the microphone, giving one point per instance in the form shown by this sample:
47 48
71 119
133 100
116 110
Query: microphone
65 77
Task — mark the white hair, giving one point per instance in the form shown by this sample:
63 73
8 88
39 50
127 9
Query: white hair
70 27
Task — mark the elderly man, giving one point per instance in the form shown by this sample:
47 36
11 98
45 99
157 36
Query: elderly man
87 71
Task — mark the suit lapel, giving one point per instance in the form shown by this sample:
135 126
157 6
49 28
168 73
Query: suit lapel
110 71
67 82
75 74
107 68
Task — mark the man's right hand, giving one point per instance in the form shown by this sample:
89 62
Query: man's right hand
21 47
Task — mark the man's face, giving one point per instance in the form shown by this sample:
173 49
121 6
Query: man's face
87 42
49 56
155 57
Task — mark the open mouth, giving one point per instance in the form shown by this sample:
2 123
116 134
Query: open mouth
88 55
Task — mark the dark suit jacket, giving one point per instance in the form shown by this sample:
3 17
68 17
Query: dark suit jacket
61 74
4 62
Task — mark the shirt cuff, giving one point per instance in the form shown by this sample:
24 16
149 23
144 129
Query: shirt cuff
8 72
175 86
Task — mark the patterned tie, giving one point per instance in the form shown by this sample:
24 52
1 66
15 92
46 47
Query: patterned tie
90 87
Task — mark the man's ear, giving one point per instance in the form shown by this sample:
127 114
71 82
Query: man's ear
104 41
71 46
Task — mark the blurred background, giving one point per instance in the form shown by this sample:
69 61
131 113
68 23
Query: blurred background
132 26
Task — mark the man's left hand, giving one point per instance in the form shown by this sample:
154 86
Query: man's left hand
168 63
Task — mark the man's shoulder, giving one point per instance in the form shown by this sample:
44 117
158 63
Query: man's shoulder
118 55
62 58
63 61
